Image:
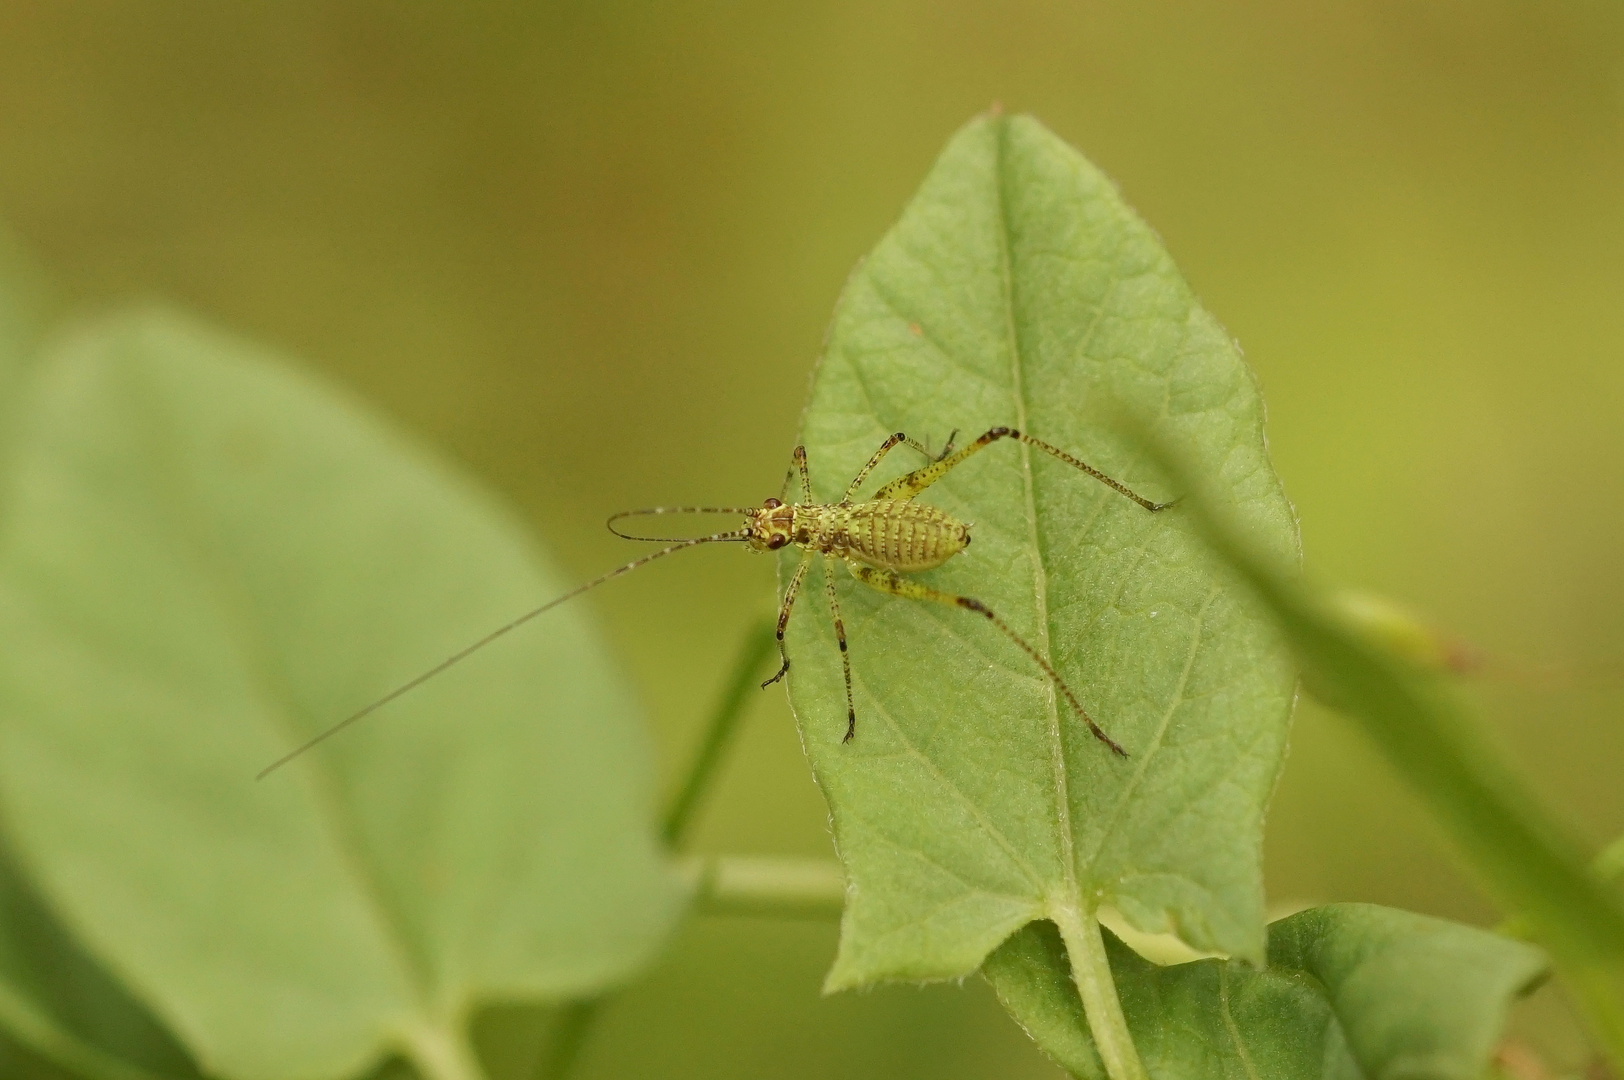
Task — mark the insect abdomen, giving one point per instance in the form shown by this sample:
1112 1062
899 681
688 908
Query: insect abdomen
902 536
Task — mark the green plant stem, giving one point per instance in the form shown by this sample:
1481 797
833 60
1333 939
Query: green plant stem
576 1018
1608 865
726 885
1091 971
757 646
443 1053
1529 863
771 886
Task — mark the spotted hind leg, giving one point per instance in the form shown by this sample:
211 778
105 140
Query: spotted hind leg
891 442
840 639
906 487
894 584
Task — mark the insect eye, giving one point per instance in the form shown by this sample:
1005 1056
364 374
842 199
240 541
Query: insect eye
777 541
771 504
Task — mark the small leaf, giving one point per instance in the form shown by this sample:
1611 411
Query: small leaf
1019 290
205 559
1350 991
1526 858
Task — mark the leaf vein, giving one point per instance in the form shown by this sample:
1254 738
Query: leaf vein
1148 754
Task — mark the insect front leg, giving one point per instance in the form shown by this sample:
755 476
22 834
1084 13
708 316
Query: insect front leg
783 616
906 487
894 584
840 639
798 466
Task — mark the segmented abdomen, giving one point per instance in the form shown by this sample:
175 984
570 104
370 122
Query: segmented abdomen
902 535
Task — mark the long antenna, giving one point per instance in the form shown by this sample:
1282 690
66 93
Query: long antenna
736 535
657 510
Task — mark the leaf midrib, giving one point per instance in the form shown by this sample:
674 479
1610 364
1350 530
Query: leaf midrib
1057 747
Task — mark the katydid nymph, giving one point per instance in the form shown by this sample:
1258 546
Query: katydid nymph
880 539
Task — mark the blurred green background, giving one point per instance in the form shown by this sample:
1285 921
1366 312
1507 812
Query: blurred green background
589 249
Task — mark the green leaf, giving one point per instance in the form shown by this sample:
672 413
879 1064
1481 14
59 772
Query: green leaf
1018 289
58 1008
205 559
1350 991
1526 858
58 1002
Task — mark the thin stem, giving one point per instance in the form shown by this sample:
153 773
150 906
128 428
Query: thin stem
1091 971
757 645
783 888
576 1018
443 1053
771 886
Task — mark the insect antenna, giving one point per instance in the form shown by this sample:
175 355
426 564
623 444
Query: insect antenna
655 511
736 536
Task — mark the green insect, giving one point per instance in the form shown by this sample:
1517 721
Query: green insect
879 539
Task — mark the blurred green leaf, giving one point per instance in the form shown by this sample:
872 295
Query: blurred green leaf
18 1062
59 1009
1529 862
1018 289
208 558
1350 991
25 309
64 1007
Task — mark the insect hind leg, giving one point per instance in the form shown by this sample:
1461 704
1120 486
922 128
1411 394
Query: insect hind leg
893 583
906 487
840 639
890 443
